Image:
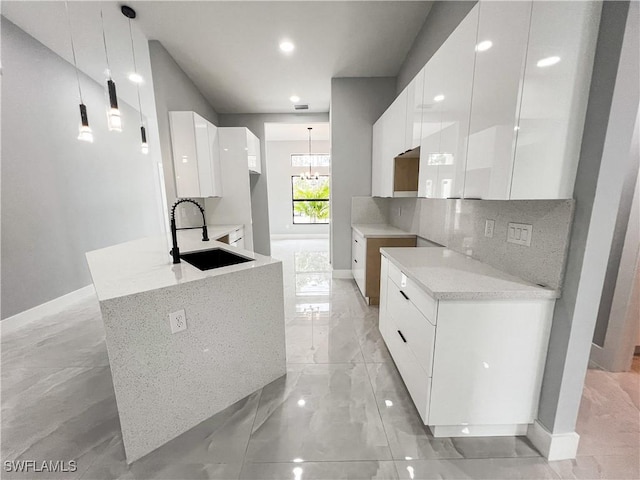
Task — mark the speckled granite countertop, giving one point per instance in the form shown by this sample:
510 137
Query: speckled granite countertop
145 264
448 275
380 230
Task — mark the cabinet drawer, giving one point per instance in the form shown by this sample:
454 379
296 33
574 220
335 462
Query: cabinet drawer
420 299
358 259
416 329
236 235
415 378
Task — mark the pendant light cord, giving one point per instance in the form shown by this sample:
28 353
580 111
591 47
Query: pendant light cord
309 128
104 41
135 69
73 51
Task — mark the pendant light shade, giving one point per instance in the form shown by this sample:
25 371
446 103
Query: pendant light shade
85 134
145 145
113 113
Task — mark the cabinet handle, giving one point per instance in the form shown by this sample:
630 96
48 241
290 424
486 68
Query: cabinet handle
355 260
402 336
356 241
404 295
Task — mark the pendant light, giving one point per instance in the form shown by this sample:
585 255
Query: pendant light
114 120
85 134
131 13
308 175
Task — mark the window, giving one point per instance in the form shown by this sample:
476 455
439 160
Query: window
310 199
310 160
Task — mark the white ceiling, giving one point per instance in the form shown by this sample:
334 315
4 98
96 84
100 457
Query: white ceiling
230 48
278 132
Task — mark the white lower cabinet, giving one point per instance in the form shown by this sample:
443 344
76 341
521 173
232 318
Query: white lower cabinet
359 258
236 238
472 367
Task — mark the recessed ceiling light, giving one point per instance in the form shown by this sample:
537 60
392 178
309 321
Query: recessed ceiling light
438 98
484 46
287 47
547 62
294 98
136 77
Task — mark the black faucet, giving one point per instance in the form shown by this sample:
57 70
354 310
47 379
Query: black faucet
175 251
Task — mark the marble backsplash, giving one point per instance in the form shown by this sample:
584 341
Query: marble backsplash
369 210
460 225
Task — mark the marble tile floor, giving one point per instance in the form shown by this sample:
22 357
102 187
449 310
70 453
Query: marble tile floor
341 412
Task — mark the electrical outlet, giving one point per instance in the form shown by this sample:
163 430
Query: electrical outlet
488 228
178 321
519 233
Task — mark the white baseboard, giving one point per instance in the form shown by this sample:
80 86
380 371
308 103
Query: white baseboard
478 430
341 274
49 308
558 446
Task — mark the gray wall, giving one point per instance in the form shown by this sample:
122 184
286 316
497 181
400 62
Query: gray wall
259 199
62 197
442 20
356 103
174 91
604 159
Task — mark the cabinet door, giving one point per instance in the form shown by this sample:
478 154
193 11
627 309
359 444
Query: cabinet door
496 98
448 81
394 122
185 158
384 282
203 153
253 152
397 125
376 158
358 260
489 360
555 92
216 169
413 127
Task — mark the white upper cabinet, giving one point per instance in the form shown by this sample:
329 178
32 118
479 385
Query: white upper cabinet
216 169
555 92
377 159
389 141
253 153
496 93
196 156
413 133
502 107
448 82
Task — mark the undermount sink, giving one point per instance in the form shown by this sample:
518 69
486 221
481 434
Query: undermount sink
214 258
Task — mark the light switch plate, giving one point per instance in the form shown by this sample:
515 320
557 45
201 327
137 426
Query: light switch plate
178 321
488 228
519 233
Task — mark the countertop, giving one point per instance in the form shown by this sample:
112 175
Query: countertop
145 264
448 275
380 230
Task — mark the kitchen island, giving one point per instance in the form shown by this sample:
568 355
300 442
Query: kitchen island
233 344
